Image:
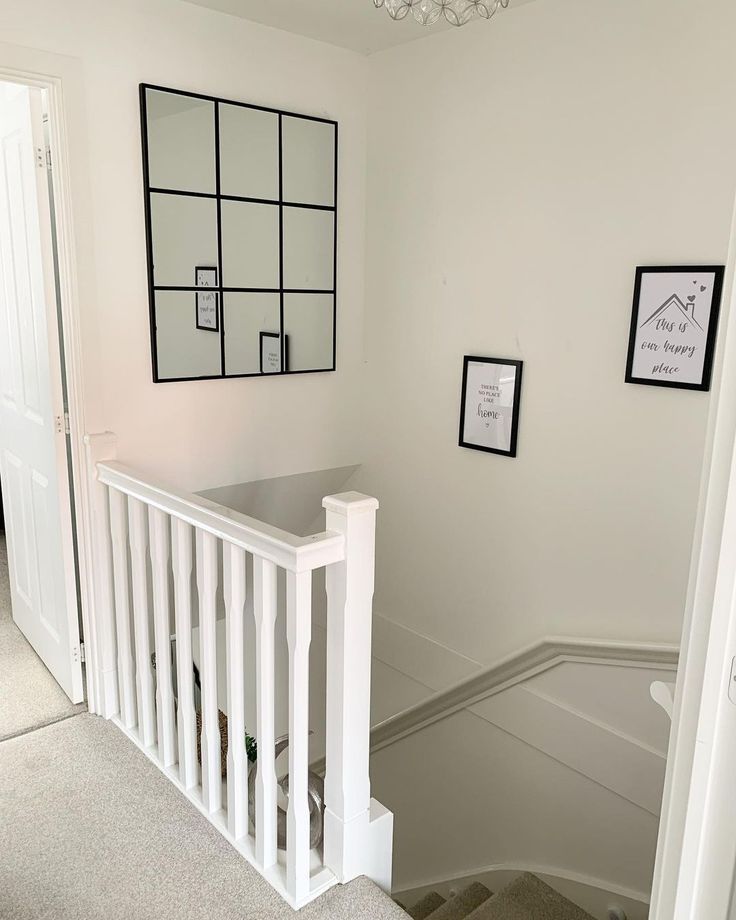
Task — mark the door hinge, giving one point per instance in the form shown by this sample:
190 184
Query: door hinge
63 426
48 158
67 424
82 656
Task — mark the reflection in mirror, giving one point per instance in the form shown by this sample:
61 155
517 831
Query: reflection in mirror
308 249
249 152
181 142
184 235
308 160
246 316
308 322
241 224
250 245
183 350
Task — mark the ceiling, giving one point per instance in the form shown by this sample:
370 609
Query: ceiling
355 24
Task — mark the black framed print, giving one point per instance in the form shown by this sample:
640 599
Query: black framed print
271 353
674 322
489 404
205 276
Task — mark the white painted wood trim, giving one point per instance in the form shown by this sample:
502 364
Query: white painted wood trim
515 669
264 607
210 736
684 741
234 587
126 669
158 524
663 694
61 77
299 635
293 553
350 586
181 553
143 670
102 693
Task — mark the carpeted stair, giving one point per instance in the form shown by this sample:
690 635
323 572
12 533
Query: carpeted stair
527 898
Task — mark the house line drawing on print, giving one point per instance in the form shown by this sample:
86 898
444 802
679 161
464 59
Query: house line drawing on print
687 311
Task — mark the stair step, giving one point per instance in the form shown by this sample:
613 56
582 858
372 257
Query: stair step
528 898
427 905
464 903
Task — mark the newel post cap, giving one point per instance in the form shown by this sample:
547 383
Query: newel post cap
350 503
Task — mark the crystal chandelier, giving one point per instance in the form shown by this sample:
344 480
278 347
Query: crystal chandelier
456 12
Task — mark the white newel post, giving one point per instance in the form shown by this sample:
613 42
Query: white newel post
101 664
357 832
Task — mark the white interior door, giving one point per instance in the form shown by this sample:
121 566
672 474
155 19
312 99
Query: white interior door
33 450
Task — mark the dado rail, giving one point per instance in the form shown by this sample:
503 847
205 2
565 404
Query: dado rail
150 539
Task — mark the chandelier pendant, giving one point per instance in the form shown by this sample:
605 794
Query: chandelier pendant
456 12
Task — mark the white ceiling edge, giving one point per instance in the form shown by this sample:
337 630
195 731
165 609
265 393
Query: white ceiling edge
353 24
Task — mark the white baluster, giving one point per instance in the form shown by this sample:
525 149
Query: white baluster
126 670
299 634
264 607
350 849
143 669
237 764
181 550
158 524
102 665
210 741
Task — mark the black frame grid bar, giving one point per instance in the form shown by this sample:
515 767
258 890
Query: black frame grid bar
218 197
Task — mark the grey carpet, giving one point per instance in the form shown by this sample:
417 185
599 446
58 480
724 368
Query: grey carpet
528 898
463 903
29 695
89 828
426 906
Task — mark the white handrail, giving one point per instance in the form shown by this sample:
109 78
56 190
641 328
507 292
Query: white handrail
293 553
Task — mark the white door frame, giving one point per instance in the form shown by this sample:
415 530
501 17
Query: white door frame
693 869
60 78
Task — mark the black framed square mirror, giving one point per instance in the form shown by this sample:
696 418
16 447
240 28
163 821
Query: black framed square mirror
241 232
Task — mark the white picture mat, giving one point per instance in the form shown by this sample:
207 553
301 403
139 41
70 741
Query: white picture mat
489 405
672 322
206 300
270 354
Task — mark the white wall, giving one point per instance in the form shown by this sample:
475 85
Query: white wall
198 434
519 170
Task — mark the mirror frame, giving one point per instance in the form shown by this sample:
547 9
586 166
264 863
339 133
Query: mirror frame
220 290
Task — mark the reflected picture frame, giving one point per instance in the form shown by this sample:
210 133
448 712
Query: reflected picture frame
270 353
207 316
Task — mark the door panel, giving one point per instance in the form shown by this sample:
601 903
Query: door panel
34 460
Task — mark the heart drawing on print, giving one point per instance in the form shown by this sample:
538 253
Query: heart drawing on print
702 287
691 298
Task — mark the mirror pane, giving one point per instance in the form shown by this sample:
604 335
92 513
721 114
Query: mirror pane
184 233
248 318
249 152
309 249
181 142
250 245
184 350
309 325
308 161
